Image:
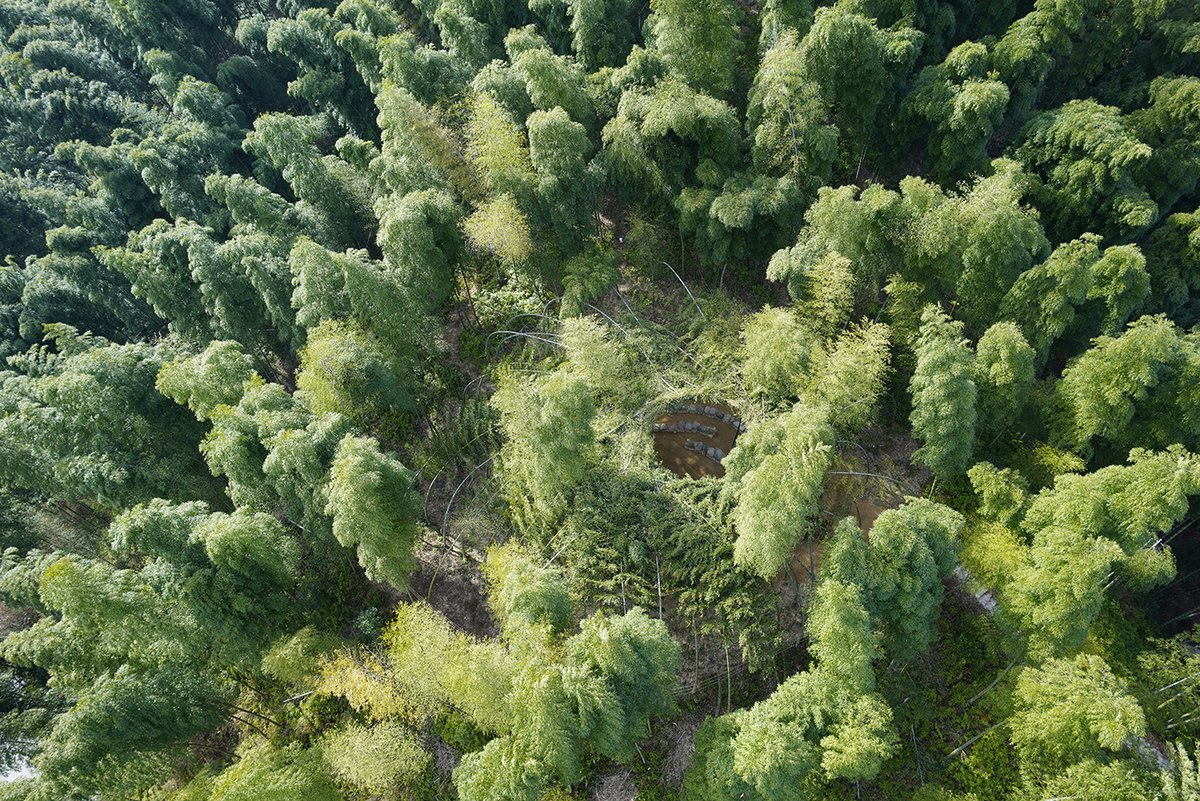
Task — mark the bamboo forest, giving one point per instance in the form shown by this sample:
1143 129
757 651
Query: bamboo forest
599 400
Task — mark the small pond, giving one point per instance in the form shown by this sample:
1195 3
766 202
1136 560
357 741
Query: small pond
694 437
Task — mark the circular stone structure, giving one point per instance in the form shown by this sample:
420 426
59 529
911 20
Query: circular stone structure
694 437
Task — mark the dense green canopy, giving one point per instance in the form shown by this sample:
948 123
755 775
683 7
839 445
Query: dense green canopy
530 400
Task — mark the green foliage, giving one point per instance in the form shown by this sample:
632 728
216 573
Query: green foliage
913 550
332 286
548 443
1091 781
854 64
963 104
1120 285
314 223
338 198
1058 590
1170 251
586 277
499 772
82 421
153 646
274 453
27 710
829 295
791 137
369 624
525 593
629 536
252 546
776 473
215 377
1002 493
628 665
822 724
1088 526
1182 783
602 31
544 696
971 244
276 774
1159 663
1088 160
295 660
325 74
374 507
416 152
119 724
156 263
943 393
347 371
1043 299
1067 710
1003 372
847 557
1099 391
853 377
778 354
698 42
419 237
558 149
828 722
551 81
643 151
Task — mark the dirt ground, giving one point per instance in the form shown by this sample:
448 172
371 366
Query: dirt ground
453 587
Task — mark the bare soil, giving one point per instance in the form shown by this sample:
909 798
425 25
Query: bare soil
453 587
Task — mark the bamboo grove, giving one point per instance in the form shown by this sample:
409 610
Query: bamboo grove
533 400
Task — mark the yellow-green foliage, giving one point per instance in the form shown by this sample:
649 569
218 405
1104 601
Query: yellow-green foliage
521 592
778 355
714 353
1041 463
496 147
605 359
776 472
376 759
199 788
1002 494
266 773
375 508
344 369
368 683
549 443
1068 709
852 377
829 295
587 276
210 379
499 227
295 660
443 666
1182 783
992 552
